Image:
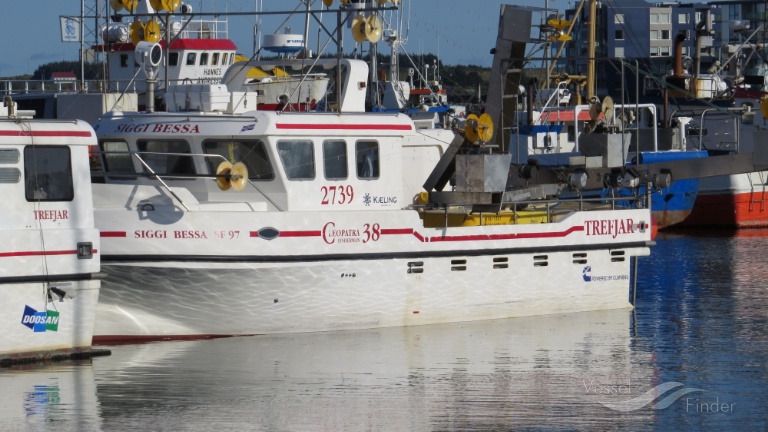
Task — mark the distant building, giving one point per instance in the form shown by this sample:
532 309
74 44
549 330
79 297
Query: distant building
740 19
636 30
744 31
63 77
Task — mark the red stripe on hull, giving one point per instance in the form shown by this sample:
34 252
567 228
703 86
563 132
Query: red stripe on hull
395 231
178 44
18 133
113 234
37 253
729 211
507 236
141 339
300 233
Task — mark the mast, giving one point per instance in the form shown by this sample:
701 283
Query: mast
82 46
591 49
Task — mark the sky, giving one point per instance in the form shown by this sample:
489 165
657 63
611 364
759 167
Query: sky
459 31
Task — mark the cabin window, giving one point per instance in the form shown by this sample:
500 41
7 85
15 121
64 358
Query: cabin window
10 175
367 159
298 158
9 156
253 153
215 59
124 60
173 59
191 57
224 58
48 173
164 157
335 159
116 158
203 59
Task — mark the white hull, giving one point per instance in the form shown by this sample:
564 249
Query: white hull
70 331
737 200
746 183
249 285
49 249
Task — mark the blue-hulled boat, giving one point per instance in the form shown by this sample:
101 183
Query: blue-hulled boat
591 137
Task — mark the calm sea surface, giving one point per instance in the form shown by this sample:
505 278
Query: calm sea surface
693 356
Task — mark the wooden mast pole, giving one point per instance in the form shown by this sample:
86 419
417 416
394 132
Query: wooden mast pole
591 49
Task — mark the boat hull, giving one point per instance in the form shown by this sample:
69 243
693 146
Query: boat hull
735 201
39 330
257 284
671 205
214 299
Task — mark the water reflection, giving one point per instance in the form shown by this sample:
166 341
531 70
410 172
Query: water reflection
37 397
480 375
700 321
702 314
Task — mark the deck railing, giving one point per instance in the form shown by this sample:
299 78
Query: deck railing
16 87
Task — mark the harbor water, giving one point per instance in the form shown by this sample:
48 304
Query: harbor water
692 356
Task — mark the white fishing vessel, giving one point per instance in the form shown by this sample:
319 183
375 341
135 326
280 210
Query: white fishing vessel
196 49
49 253
219 219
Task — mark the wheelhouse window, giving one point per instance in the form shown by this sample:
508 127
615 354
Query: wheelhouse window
298 159
203 59
191 57
124 60
253 153
367 159
173 59
48 173
215 59
224 58
116 158
167 157
9 174
335 159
